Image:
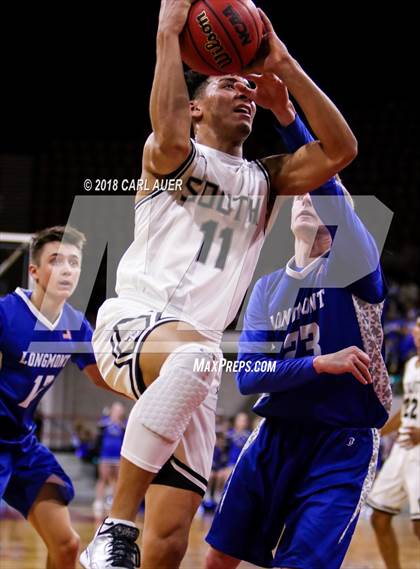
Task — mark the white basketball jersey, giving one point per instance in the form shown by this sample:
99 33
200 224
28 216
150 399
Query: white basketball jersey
410 412
195 249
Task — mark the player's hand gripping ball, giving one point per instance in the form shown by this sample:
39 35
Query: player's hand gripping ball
221 36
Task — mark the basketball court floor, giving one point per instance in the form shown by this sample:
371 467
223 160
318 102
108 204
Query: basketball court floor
21 548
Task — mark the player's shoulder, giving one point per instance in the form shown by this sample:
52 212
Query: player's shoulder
159 164
15 314
7 300
6 309
14 297
13 302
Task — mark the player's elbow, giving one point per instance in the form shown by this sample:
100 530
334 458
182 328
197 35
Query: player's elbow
96 381
346 153
99 382
95 376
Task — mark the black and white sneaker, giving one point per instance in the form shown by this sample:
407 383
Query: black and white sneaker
113 547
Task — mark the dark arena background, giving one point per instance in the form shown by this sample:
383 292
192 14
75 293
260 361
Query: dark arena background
75 90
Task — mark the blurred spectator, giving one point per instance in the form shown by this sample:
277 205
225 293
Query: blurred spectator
217 475
83 443
400 314
109 442
236 438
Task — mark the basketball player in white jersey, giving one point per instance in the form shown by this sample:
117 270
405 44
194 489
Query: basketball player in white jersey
399 479
182 280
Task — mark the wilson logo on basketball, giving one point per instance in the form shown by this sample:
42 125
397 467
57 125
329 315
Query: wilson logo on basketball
213 44
238 24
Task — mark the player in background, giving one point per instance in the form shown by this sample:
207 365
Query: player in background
191 262
216 478
303 475
31 480
399 479
226 453
236 438
111 434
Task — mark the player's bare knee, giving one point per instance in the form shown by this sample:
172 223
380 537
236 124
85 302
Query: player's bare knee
71 547
175 547
67 549
416 528
380 521
215 559
171 547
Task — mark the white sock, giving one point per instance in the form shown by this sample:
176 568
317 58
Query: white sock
109 520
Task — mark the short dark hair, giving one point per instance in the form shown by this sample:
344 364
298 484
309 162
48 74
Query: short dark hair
64 234
196 83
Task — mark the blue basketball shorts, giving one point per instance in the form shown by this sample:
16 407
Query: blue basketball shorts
24 468
295 494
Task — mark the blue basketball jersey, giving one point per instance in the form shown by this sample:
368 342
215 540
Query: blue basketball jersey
296 314
33 351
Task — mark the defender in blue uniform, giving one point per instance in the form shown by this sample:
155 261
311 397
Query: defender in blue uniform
299 484
39 334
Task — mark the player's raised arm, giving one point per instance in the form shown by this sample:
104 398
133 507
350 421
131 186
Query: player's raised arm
316 162
169 144
353 245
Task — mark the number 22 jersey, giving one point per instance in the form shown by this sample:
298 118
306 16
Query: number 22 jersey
410 413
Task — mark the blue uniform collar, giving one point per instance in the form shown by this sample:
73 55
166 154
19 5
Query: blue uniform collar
25 296
303 273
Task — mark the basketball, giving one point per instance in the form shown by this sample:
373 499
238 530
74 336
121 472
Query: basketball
221 36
